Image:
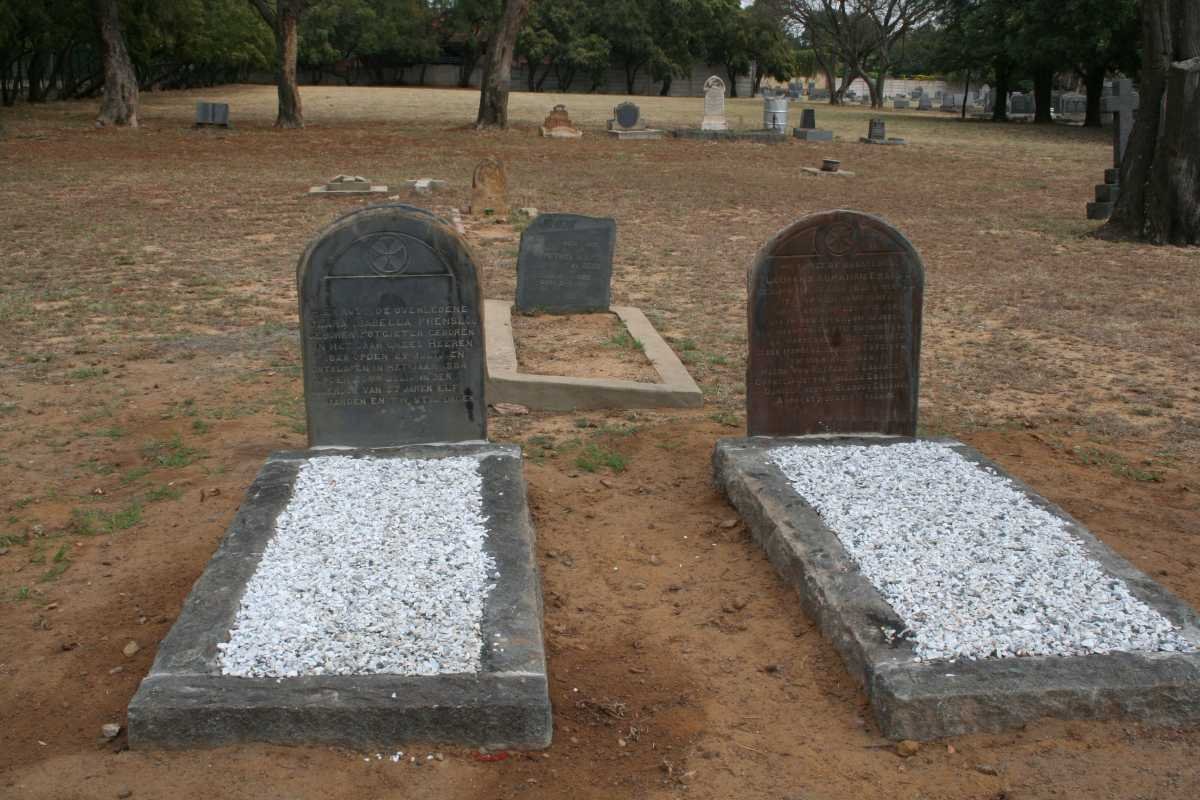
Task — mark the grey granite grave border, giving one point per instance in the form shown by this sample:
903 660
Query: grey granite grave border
185 701
507 384
729 135
635 134
374 189
930 700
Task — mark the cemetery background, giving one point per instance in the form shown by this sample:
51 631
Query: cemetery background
149 352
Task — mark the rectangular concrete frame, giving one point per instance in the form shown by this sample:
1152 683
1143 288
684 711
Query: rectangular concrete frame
560 393
326 190
636 134
186 702
931 700
730 135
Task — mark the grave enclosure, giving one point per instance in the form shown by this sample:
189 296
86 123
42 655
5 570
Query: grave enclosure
564 266
977 606
320 619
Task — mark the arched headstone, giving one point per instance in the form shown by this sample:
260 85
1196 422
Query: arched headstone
390 327
714 105
834 329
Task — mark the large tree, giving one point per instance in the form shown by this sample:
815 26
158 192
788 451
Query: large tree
497 65
283 16
1160 172
119 105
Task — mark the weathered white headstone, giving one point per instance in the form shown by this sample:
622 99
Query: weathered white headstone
714 105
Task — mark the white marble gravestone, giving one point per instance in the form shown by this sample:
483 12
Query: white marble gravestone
714 105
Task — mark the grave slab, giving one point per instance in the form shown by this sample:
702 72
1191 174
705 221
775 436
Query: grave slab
187 701
931 699
507 384
727 135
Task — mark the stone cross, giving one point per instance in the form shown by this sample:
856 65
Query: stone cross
714 105
1121 104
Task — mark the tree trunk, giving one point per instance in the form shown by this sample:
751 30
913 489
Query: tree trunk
1159 200
1043 87
36 89
665 91
877 89
1093 79
1000 94
120 103
497 70
287 32
470 59
966 94
731 71
630 77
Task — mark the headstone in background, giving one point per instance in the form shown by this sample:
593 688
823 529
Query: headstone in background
834 329
214 114
390 321
564 265
900 102
558 125
775 113
924 103
1122 103
489 189
348 183
808 128
1021 103
877 129
714 105
627 117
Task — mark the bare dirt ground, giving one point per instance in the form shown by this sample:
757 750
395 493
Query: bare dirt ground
149 362
580 346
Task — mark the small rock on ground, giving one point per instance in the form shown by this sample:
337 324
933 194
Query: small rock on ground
907 748
131 649
110 730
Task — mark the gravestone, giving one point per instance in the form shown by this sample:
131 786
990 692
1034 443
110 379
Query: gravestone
877 133
489 189
627 123
390 566
775 112
391 334
212 114
812 87
808 130
834 329
1121 102
558 125
1021 103
900 102
714 105
924 103
564 265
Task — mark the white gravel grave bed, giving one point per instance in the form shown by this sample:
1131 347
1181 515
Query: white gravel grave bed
968 562
377 566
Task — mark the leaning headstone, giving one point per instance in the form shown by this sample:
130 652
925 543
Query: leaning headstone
558 125
1122 103
381 587
564 265
212 114
489 189
391 334
714 105
835 329
808 130
877 133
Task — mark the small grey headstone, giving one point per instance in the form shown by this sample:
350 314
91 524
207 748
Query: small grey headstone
877 129
564 265
390 321
212 114
808 118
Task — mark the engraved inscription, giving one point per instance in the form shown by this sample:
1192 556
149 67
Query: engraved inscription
834 332
565 264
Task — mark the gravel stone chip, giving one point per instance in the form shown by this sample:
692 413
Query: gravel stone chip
377 566
972 566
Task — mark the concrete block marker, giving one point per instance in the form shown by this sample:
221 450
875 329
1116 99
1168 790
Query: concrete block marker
507 384
914 698
188 700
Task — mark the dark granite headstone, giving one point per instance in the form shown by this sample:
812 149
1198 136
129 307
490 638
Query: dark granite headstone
808 118
212 114
627 115
565 264
834 329
877 129
390 326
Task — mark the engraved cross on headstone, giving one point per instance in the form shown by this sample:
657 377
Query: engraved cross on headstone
1121 104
